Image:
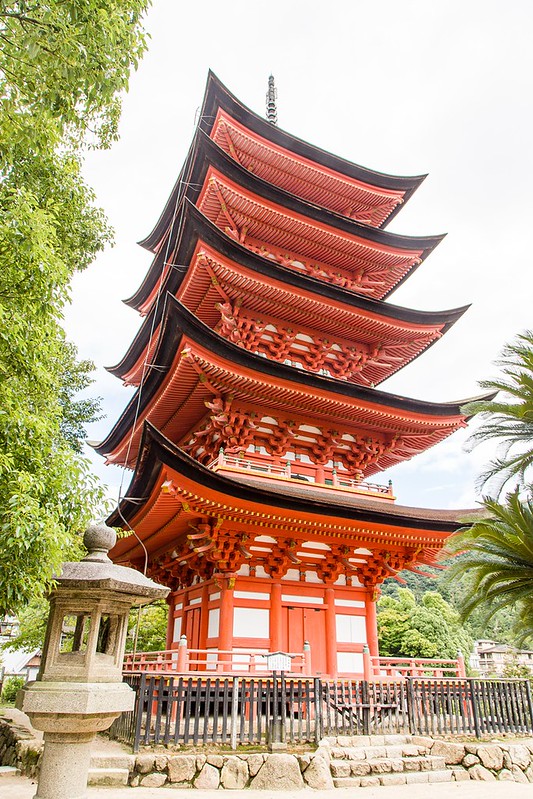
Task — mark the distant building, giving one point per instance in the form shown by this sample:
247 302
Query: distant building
491 658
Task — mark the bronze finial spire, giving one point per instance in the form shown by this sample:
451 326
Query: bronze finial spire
272 113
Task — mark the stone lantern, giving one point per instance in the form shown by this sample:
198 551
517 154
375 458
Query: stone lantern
79 689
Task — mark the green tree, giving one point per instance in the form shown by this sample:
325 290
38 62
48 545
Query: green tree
63 66
430 628
508 418
497 555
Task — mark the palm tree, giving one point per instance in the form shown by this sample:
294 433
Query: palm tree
508 419
496 549
496 557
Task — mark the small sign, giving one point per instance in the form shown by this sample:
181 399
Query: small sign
278 661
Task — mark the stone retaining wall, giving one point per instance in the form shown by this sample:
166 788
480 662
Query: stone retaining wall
19 748
343 761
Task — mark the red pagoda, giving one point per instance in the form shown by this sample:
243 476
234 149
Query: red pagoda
257 418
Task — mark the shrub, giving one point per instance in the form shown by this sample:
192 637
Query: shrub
10 687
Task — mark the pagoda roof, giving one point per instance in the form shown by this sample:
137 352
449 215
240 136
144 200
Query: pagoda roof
266 284
192 364
168 487
276 150
233 197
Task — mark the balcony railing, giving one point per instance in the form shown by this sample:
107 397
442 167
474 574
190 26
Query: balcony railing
293 471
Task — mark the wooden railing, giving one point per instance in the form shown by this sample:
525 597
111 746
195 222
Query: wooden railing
416 667
210 661
207 709
291 471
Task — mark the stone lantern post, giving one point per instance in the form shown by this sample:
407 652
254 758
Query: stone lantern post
79 689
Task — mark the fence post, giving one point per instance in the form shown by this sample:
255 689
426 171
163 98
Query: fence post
530 704
181 665
365 696
138 708
307 657
234 713
367 664
461 669
475 714
411 706
318 709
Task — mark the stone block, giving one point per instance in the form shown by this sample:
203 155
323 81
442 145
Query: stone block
412 764
444 775
161 762
360 769
507 762
380 766
369 782
491 757
452 753
373 752
394 751
396 740
470 760
318 774
392 779
436 763
305 759
235 773
529 773
421 740
278 773
355 753
479 772
114 761
377 740
9 771
396 764
154 780
209 778
254 763
518 775
460 774
413 777
216 760
410 750
144 764
181 768
520 756
108 776
201 760
342 768
506 775
346 782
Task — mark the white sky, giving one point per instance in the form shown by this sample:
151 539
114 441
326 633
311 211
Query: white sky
401 87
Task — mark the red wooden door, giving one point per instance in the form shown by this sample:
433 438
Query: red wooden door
306 624
192 629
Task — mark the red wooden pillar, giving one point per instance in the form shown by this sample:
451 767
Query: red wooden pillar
276 619
371 621
331 632
204 619
225 633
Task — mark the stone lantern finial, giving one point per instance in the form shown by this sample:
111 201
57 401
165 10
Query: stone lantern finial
98 539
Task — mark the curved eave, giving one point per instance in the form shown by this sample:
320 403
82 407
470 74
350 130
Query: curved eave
206 153
196 227
217 96
179 322
157 452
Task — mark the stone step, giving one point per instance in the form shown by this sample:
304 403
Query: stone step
112 760
341 768
409 778
108 776
9 771
368 752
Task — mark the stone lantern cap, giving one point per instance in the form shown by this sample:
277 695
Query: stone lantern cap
97 571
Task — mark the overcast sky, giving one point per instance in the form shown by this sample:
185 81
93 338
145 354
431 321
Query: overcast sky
400 87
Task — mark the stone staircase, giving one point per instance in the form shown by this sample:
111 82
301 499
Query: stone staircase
372 760
110 769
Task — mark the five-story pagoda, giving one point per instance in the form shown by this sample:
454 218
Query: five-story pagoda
257 418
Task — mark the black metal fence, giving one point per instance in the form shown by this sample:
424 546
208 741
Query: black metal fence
247 710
